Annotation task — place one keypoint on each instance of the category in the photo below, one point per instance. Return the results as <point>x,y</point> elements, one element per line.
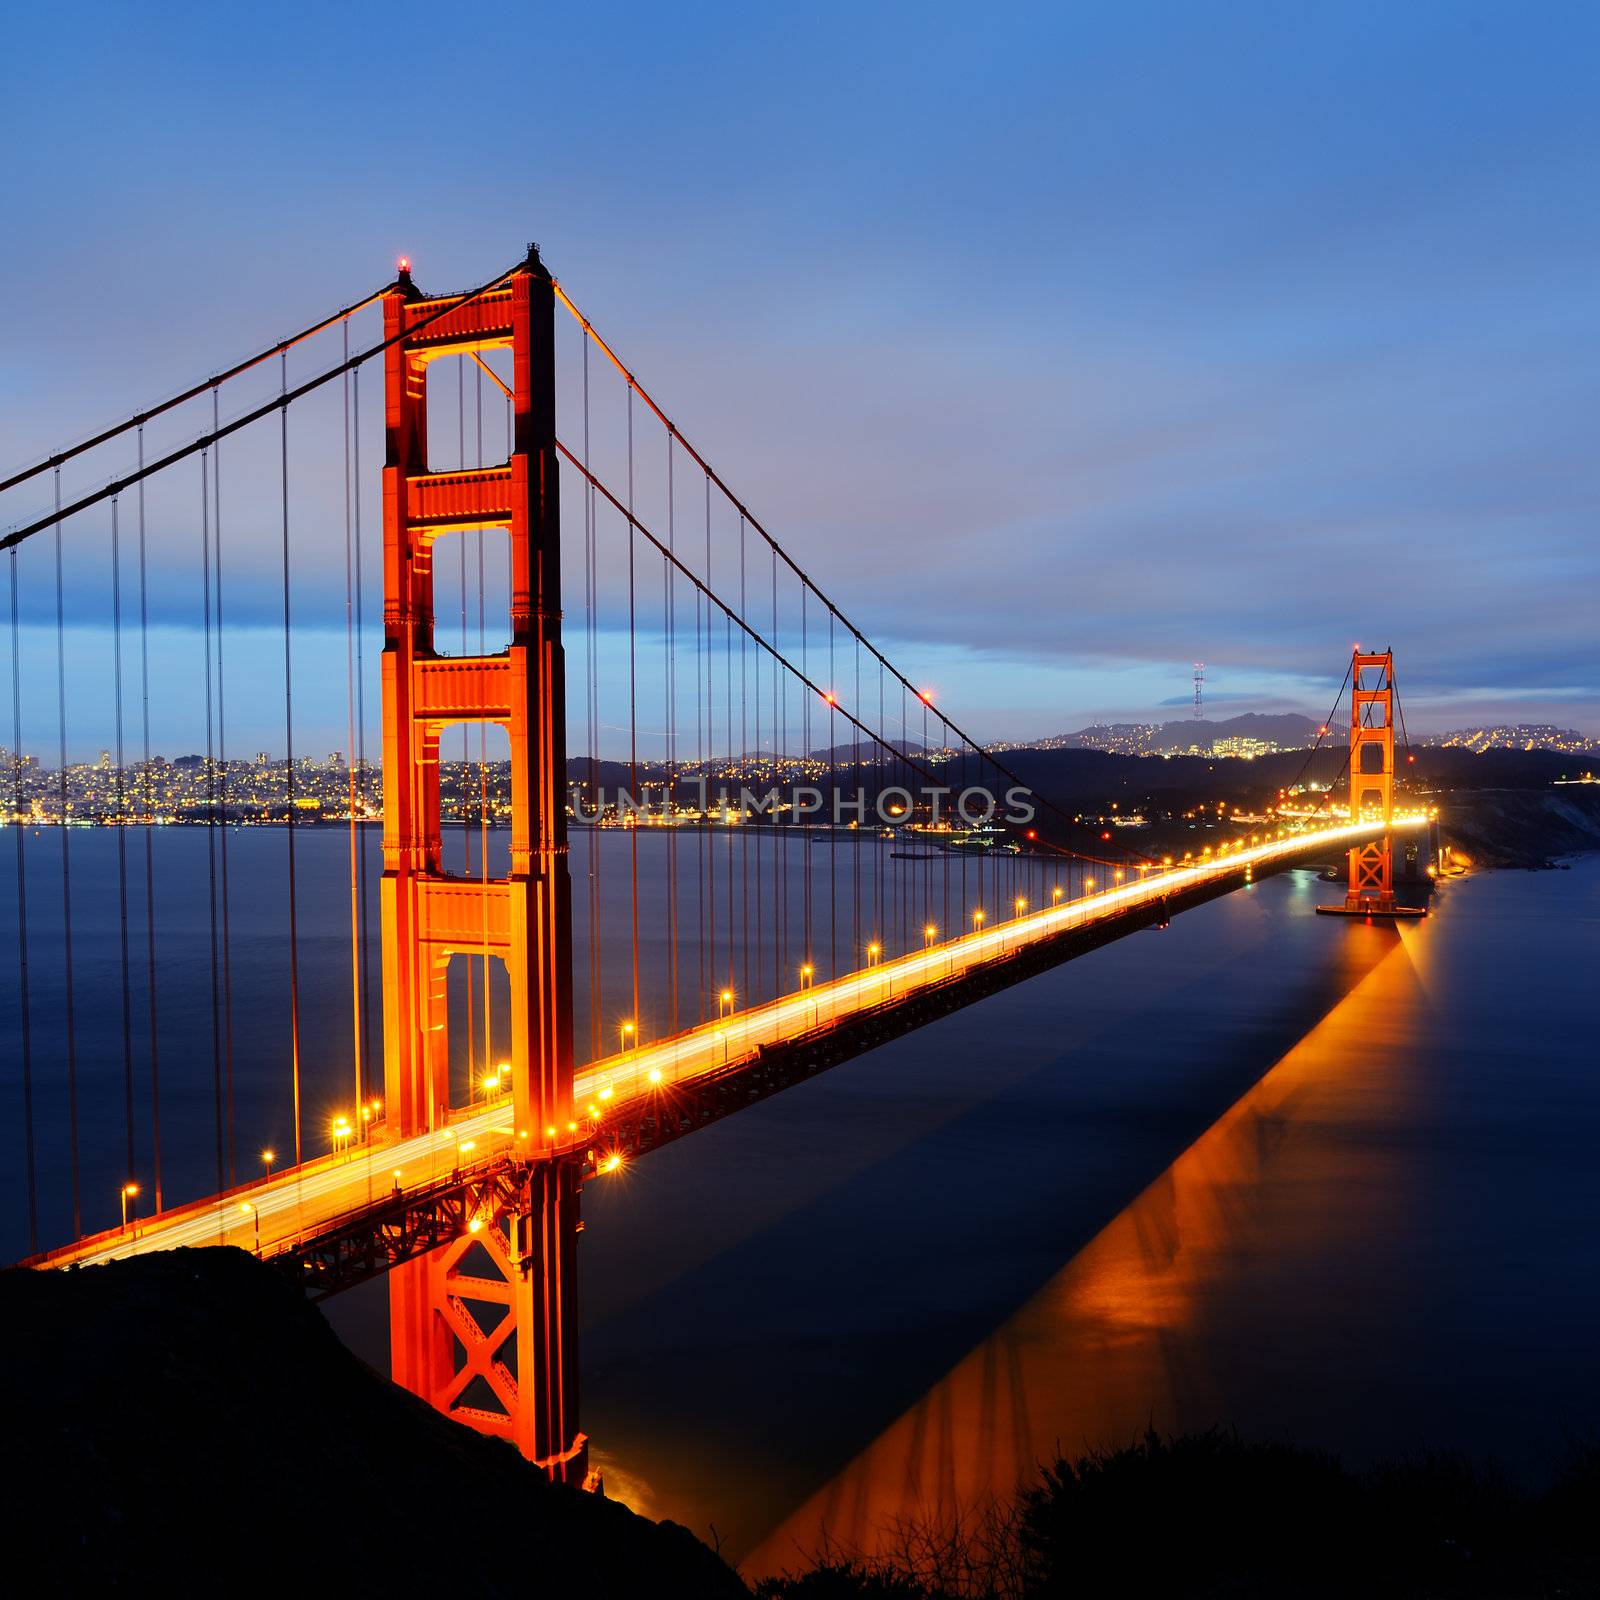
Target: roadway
<point>275,1213</point>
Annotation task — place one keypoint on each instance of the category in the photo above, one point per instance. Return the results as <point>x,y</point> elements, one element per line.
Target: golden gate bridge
<point>511,1040</point>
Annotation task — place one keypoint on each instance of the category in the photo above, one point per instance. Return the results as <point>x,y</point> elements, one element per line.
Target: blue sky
<point>1066,344</point>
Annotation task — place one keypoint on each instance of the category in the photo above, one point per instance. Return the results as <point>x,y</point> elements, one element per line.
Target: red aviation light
<point>827,695</point>
<point>405,263</point>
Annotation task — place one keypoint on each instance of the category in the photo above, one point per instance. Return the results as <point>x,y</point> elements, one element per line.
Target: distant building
<point>1246,749</point>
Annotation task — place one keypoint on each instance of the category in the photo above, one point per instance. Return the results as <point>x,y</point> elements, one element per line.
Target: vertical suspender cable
<point>744,767</point>
<point>368,987</point>
<point>66,875</point>
<point>461,777</point>
<point>927,855</point>
<point>708,839</point>
<point>633,732</point>
<point>211,822</point>
<point>122,838</point>
<point>483,779</point>
<point>350,750</point>
<point>222,795</point>
<point>288,734</point>
<point>780,856</point>
<point>670,689</point>
<point>728,874</point>
<point>760,872</point>
<point>592,705</point>
<point>708,744</point>
<point>806,949</point>
<point>832,800</point>
<point>24,1015</point>
<point>149,846</point>
<point>701,712</point>
<point>861,784</point>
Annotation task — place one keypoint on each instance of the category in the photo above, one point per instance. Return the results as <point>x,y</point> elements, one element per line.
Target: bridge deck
<point>299,1205</point>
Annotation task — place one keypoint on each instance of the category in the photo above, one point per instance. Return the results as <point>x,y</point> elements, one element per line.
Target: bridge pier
<point>484,1328</point>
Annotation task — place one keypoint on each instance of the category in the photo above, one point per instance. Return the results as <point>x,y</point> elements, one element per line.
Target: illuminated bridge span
<point>827,861</point>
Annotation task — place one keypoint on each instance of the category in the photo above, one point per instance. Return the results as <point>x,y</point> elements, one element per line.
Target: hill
<point>186,1420</point>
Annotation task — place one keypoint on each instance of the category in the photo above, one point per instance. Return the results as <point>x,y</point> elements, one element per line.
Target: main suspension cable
<point>139,418</point>
<point>635,387</point>
<point>282,402</point>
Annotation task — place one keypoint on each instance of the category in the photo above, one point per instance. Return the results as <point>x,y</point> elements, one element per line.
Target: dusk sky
<point>1066,344</point>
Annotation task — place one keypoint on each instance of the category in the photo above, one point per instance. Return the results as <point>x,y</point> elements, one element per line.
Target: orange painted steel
<point>1371,887</point>
<point>483,1328</point>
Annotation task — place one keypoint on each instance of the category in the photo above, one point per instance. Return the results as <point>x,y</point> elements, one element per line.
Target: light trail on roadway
<point>301,1203</point>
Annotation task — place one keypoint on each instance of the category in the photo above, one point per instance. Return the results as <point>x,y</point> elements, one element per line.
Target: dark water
<point>1329,1182</point>
<point>733,910</point>
<point>1326,1181</point>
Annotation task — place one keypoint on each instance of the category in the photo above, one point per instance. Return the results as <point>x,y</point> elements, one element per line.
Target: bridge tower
<point>484,1328</point>
<point>1371,886</point>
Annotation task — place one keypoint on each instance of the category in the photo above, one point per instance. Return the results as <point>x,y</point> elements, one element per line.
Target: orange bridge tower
<point>1372,781</point>
<point>484,1327</point>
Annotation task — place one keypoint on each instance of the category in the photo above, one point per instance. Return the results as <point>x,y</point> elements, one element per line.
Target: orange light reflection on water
<point>1118,1337</point>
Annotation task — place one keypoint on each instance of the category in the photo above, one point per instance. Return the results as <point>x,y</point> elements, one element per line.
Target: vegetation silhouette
<point>1212,1515</point>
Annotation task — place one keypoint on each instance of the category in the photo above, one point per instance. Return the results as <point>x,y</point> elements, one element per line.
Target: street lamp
<point>807,973</point>
<point>1022,904</point>
<point>874,950</point>
<point>724,1003</point>
<point>928,936</point>
<point>625,1031</point>
<point>1055,893</point>
<point>250,1210</point>
<point>267,1158</point>
<point>129,1191</point>
<point>977,919</point>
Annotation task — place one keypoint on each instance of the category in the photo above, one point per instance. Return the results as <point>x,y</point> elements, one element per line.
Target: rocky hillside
<point>186,1422</point>
<point>1522,827</point>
